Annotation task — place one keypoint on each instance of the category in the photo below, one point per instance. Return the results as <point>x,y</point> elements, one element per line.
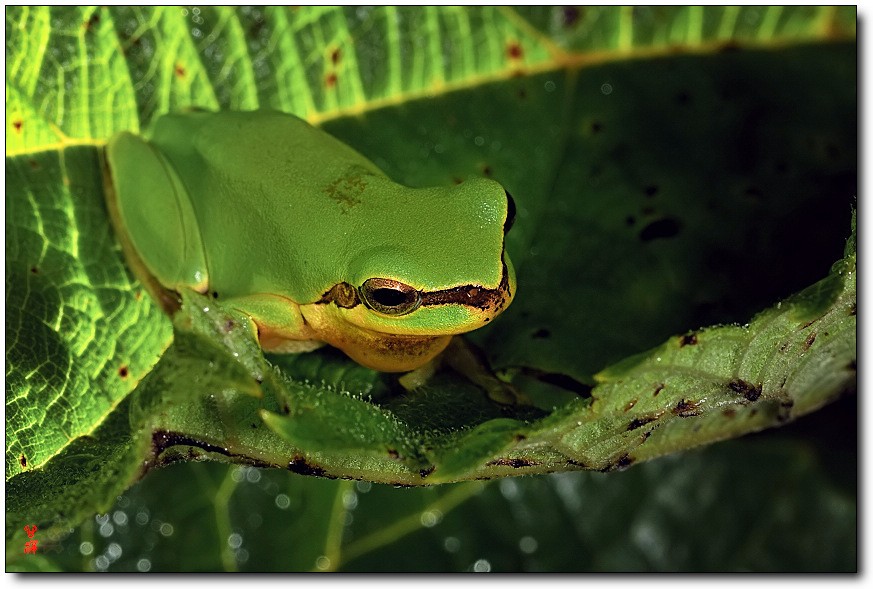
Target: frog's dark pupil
<point>389,297</point>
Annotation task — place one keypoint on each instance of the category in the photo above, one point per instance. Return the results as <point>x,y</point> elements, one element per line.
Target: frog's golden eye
<point>389,297</point>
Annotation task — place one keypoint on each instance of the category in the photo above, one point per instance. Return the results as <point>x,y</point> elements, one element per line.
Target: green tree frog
<point>284,223</point>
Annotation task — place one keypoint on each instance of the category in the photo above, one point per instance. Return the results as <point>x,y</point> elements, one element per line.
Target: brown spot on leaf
<point>92,22</point>
<point>513,462</point>
<point>630,405</point>
<point>34,164</point>
<point>640,422</point>
<point>541,333</point>
<point>123,372</point>
<point>34,270</point>
<point>750,392</point>
<point>596,127</point>
<point>330,80</point>
<point>658,389</point>
<point>619,464</point>
<point>17,125</point>
<point>651,190</point>
<point>569,16</point>
<point>686,408</point>
<point>336,55</point>
<point>300,466</point>
<point>688,340</point>
<point>23,461</point>
<point>486,170</point>
<point>730,413</point>
<point>808,343</point>
<point>179,70</point>
<point>514,50</point>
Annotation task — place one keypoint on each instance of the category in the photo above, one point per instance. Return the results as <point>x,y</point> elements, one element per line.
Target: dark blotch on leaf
<point>92,22</point>
<point>300,466</point>
<point>639,422</point>
<point>596,126</point>
<point>741,387</point>
<point>688,340</point>
<point>513,462</point>
<point>34,270</point>
<point>17,126</point>
<point>660,229</point>
<point>630,221</point>
<point>541,333</point>
<point>123,372</point>
<point>214,295</point>
<point>23,461</point>
<point>683,98</point>
<point>522,93</point>
<point>658,389</point>
<point>569,15</point>
<point>486,170</point>
<point>651,190</point>
<point>34,164</point>
<point>425,472</point>
<point>335,56</point>
<point>180,71</point>
<point>619,464</point>
<point>514,51</point>
<point>330,80</point>
<point>686,409</point>
<point>808,343</point>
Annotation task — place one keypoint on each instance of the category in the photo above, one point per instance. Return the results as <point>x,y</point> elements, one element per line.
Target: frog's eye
<point>389,297</point>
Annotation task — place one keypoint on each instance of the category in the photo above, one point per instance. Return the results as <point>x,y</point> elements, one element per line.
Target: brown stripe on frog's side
<point>471,296</point>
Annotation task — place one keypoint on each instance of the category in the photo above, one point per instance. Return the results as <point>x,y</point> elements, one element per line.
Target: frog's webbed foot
<point>465,358</point>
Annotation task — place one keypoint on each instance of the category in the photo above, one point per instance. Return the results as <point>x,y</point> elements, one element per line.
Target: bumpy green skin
<point>269,214</point>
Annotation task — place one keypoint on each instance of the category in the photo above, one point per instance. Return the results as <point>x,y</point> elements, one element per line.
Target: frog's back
<point>256,174</point>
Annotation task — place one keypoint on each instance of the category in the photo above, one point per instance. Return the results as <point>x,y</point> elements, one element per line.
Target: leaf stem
<point>413,522</point>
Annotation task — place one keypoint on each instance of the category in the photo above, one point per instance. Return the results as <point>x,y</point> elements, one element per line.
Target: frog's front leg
<point>281,328</point>
<point>468,360</point>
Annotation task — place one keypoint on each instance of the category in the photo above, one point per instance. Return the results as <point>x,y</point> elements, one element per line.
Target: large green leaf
<point>667,178</point>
